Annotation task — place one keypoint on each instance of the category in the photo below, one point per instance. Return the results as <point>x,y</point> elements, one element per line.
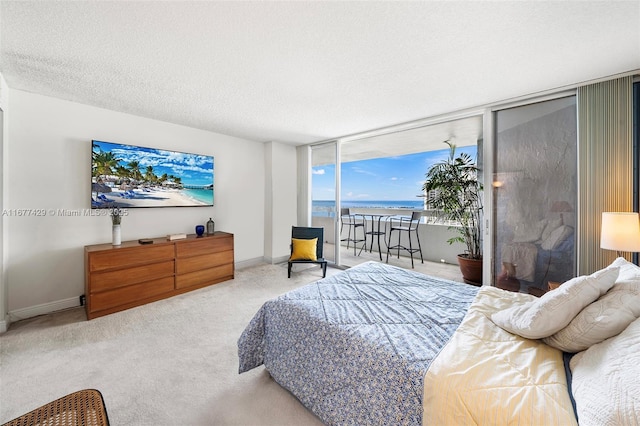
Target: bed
<point>381,345</point>
<point>534,259</point>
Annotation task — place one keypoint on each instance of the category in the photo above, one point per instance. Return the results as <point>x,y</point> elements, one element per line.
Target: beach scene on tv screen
<point>134,176</point>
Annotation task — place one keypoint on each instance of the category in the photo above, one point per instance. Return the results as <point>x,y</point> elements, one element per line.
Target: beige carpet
<point>173,362</point>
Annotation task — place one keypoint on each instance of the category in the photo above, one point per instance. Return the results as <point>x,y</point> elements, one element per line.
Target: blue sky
<point>193,169</point>
<point>390,178</point>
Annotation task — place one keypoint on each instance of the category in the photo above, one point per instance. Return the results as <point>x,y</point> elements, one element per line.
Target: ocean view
<point>325,207</point>
<point>202,195</point>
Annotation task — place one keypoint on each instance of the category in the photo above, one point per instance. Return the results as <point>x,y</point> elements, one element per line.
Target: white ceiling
<point>304,71</point>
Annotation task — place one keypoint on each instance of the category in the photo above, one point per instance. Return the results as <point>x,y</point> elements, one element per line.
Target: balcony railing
<point>433,233</point>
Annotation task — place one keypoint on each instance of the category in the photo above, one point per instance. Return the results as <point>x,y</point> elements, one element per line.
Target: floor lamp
<point>620,231</point>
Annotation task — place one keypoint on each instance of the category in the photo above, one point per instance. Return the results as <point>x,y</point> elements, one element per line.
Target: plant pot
<point>471,270</point>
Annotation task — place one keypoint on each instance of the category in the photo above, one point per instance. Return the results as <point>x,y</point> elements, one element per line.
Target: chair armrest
<point>404,219</point>
<point>396,220</point>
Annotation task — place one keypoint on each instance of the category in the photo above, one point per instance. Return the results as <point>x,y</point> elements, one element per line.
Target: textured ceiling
<point>299,72</point>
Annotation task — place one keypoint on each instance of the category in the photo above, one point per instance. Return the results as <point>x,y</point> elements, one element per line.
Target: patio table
<point>376,230</point>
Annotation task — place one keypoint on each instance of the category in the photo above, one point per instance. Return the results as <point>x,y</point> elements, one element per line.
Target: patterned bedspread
<point>354,347</point>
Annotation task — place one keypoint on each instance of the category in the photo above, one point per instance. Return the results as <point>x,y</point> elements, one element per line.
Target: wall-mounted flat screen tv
<point>134,176</point>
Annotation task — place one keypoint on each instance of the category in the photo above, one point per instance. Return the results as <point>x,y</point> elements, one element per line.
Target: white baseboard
<point>249,262</point>
<point>45,308</point>
<point>276,260</point>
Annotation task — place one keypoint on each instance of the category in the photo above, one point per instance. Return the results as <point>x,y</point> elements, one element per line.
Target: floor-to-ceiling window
<point>324,194</point>
<point>534,194</point>
<point>533,185</point>
<point>382,175</point>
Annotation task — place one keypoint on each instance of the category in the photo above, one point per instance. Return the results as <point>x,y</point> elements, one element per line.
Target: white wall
<point>281,200</point>
<point>4,100</point>
<point>49,146</point>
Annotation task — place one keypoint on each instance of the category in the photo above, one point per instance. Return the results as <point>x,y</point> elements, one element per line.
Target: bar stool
<point>408,225</point>
<point>353,222</point>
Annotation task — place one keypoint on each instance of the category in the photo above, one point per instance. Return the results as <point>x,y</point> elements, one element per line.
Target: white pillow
<point>552,224</point>
<point>605,382</point>
<point>607,316</point>
<point>629,273</point>
<point>604,318</point>
<point>554,310</point>
<point>557,236</point>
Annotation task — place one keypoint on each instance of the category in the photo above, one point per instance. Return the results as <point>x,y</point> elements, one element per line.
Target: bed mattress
<point>354,347</point>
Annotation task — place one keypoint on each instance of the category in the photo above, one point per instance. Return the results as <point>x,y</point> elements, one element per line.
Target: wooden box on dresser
<point>132,274</point>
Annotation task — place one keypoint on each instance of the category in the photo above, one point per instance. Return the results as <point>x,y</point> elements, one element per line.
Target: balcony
<point>440,258</point>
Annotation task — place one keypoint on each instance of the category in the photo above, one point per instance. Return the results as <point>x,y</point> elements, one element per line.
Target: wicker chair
<point>81,408</point>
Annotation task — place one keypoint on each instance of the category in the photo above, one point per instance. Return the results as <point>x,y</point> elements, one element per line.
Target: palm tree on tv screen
<point>177,180</point>
<point>122,172</point>
<point>150,176</point>
<point>134,170</point>
<point>104,163</point>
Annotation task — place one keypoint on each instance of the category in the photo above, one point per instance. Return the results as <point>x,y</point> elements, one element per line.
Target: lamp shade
<point>561,207</point>
<point>620,231</point>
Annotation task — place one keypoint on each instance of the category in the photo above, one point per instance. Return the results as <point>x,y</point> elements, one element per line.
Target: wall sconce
<point>620,231</point>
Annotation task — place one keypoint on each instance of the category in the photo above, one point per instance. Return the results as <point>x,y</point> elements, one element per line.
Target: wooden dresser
<point>132,274</point>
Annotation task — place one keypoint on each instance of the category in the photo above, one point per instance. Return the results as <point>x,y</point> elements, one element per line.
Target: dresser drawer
<point>132,274</point>
<point>205,245</point>
<point>206,276</point>
<point>206,261</point>
<point>125,257</point>
<point>108,280</point>
<point>112,298</point>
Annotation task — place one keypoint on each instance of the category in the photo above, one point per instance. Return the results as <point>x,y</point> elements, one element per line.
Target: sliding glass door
<point>324,196</point>
<point>534,195</point>
<point>380,176</point>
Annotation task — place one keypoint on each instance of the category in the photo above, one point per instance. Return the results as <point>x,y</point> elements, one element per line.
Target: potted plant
<point>454,191</point>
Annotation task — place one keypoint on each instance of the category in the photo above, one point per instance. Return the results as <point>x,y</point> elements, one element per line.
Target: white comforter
<point>487,376</point>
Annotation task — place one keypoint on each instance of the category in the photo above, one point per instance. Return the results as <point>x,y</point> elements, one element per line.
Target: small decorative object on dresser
<point>199,230</point>
<point>172,237</point>
<point>116,218</point>
<point>211,227</point>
